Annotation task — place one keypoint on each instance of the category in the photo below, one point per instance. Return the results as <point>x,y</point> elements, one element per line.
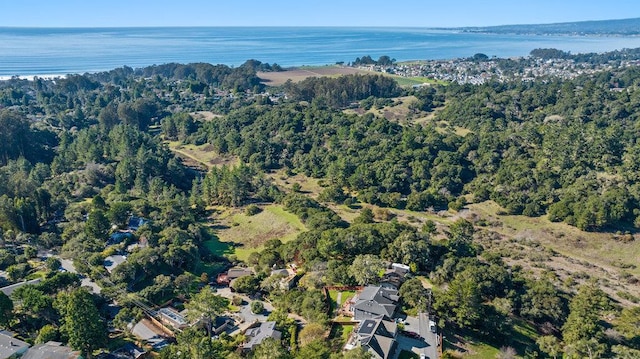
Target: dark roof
<point>51,350</point>
<point>376,301</point>
<point>378,335</point>
<point>234,273</point>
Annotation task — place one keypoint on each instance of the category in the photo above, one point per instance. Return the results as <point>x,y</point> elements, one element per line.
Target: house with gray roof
<point>377,336</point>
<point>256,335</point>
<point>111,262</point>
<point>8,290</point>
<point>10,346</point>
<point>51,350</point>
<point>375,301</point>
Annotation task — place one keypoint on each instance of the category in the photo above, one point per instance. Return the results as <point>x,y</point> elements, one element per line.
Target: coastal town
<point>481,69</point>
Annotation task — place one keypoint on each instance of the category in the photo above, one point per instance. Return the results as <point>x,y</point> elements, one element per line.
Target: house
<point>289,277</point>
<point>10,346</point>
<point>111,262</point>
<point>256,335</point>
<point>51,350</point>
<point>150,334</point>
<point>170,317</point>
<point>233,273</point>
<point>8,290</point>
<point>136,222</point>
<point>394,276</point>
<point>128,351</point>
<point>119,237</point>
<point>375,301</point>
<point>377,336</point>
<point>220,324</point>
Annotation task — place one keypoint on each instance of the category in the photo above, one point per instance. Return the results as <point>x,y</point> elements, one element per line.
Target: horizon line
<point>311,26</point>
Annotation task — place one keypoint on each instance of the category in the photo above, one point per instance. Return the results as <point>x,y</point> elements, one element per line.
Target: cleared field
<point>301,73</point>
<point>204,115</point>
<point>203,156</point>
<point>400,111</point>
<point>309,186</point>
<point>574,255</point>
<point>242,235</point>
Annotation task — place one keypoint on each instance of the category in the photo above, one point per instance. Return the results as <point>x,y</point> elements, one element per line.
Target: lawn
<point>522,336</point>
<point>242,235</point>
<point>341,332</point>
<point>345,296</point>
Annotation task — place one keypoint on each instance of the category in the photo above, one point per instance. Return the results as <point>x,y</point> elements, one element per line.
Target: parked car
<point>412,334</point>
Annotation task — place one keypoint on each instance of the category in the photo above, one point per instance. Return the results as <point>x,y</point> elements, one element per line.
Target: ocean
<point>44,51</point>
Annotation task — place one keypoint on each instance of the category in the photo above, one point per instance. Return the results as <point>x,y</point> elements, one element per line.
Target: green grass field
<point>346,295</point>
<point>244,234</point>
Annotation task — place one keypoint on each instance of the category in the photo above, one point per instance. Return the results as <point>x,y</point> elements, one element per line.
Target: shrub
<point>252,210</point>
<point>257,307</point>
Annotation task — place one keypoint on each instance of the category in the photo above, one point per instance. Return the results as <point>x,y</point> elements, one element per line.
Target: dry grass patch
<point>301,73</point>
<point>574,255</point>
<point>203,156</point>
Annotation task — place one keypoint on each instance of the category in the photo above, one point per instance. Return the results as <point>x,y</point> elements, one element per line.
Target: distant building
<point>171,317</point>
<point>8,290</point>
<point>394,276</point>
<point>51,350</point>
<point>375,301</point>
<point>10,346</point>
<point>377,336</point>
<point>128,351</point>
<point>256,335</point>
<point>233,273</point>
<point>111,262</point>
<point>289,277</point>
<point>136,222</point>
<point>118,237</point>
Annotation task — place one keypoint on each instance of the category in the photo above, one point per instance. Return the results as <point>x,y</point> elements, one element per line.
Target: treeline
<point>591,57</point>
<point>342,91</point>
<point>383,60</point>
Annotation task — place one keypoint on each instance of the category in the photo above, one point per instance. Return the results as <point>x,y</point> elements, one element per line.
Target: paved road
<point>431,338</point>
<point>86,282</point>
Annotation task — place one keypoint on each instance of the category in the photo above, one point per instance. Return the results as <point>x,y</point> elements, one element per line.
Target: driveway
<point>431,338</point>
<point>426,344</point>
<point>85,282</point>
<point>244,317</point>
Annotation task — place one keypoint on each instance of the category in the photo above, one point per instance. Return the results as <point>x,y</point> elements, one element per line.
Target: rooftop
<point>10,346</point>
<point>51,350</point>
<point>258,334</point>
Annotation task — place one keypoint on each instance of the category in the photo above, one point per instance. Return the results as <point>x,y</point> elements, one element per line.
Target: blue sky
<point>421,13</point>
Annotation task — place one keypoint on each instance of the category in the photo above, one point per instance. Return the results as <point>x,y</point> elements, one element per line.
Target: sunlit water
<point>29,51</point>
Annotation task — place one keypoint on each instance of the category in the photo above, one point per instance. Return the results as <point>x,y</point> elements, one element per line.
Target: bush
<point>257,307</point>
<point>252,210</point>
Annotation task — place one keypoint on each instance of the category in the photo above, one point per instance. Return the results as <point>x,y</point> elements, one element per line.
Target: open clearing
<point>573,255</point>
<point>300,73</point>
<point>242,235</point>
<point>203,156</point>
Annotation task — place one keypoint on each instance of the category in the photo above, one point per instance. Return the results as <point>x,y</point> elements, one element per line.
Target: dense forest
<point>81,156</point>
